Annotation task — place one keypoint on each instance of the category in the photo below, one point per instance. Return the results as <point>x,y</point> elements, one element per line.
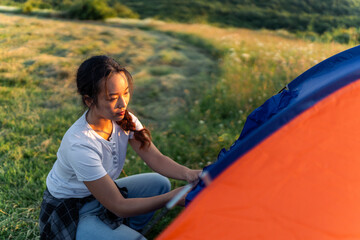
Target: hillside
<point>293,15</point>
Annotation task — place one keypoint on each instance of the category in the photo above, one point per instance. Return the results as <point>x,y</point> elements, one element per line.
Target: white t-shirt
<point>84,155</point>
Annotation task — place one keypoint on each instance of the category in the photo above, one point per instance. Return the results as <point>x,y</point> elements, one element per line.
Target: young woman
<point>84,198</point>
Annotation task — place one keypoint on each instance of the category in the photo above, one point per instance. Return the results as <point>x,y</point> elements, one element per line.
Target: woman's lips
<point>122,113</point>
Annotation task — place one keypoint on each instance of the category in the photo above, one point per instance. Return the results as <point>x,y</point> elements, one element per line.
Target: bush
<point>27,7</point>
<point>343,38</point>
<point>312,36</point>
<point>91,10</point>
<point>124,12</point>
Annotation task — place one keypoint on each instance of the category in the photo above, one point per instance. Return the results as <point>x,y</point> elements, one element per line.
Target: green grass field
<point>194,86</point>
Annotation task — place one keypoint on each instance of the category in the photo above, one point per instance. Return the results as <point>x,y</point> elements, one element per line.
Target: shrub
<point>343,37</point>
<point>309,35</point>
<point>124,12</point>
<point>27,7</point>
<point>91,10</point>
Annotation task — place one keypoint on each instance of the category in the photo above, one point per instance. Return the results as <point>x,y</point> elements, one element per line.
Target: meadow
<point>195,84</point>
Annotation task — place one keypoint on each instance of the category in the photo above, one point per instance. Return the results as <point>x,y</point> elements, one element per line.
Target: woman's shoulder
<point>79,126</point>
<point>137,122</point>
<point>132,116</point>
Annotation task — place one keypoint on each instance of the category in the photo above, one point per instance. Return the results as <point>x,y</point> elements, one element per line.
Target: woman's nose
<point>122,102</point>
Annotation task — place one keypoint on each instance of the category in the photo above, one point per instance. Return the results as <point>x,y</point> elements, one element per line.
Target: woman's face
<point>113,101</point>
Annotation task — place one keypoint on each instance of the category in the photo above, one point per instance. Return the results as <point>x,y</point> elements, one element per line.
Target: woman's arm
<point>107,193</point>
<point>163,164</point>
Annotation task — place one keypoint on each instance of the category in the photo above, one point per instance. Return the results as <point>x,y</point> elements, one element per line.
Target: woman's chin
<point>118,118</point>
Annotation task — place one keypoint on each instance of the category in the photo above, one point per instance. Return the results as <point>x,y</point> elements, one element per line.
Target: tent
<point>294,172</point>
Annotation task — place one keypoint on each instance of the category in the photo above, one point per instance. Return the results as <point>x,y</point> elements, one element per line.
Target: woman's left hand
<point>192,176</point>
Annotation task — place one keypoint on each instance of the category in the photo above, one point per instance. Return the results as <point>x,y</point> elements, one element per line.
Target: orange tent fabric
<point>302,182</point>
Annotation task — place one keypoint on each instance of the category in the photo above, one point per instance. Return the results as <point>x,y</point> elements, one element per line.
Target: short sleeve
<point>86,162</point>
<point>138,125</point>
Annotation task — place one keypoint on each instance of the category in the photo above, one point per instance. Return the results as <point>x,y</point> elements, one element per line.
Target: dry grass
<point>251,54</point>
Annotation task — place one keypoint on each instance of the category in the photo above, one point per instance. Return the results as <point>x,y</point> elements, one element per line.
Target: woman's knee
<point>145,185</point>
<point>160,183</point>
<point>163,183</point>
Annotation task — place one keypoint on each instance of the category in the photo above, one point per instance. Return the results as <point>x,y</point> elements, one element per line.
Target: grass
<point>39,102</point>
<point>194,86</point>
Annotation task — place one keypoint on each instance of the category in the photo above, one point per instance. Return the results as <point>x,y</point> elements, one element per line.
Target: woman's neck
<point>101,126</point>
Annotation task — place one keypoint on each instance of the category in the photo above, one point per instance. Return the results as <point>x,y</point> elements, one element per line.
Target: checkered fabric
<point>59,217</point>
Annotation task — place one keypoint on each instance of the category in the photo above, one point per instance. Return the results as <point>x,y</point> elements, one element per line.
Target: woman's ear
<point>88,100</point>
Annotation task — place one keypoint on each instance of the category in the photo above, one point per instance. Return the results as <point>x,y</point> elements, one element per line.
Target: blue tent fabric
<point>302,93</point>
<point>271,107</point>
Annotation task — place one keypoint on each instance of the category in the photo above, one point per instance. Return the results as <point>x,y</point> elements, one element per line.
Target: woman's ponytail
<point>143,135</point>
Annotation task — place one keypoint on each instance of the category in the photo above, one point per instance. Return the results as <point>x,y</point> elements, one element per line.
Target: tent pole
<point>171,204</point>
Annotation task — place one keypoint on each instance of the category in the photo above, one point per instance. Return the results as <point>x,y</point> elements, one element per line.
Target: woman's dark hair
<point>88,79</point>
